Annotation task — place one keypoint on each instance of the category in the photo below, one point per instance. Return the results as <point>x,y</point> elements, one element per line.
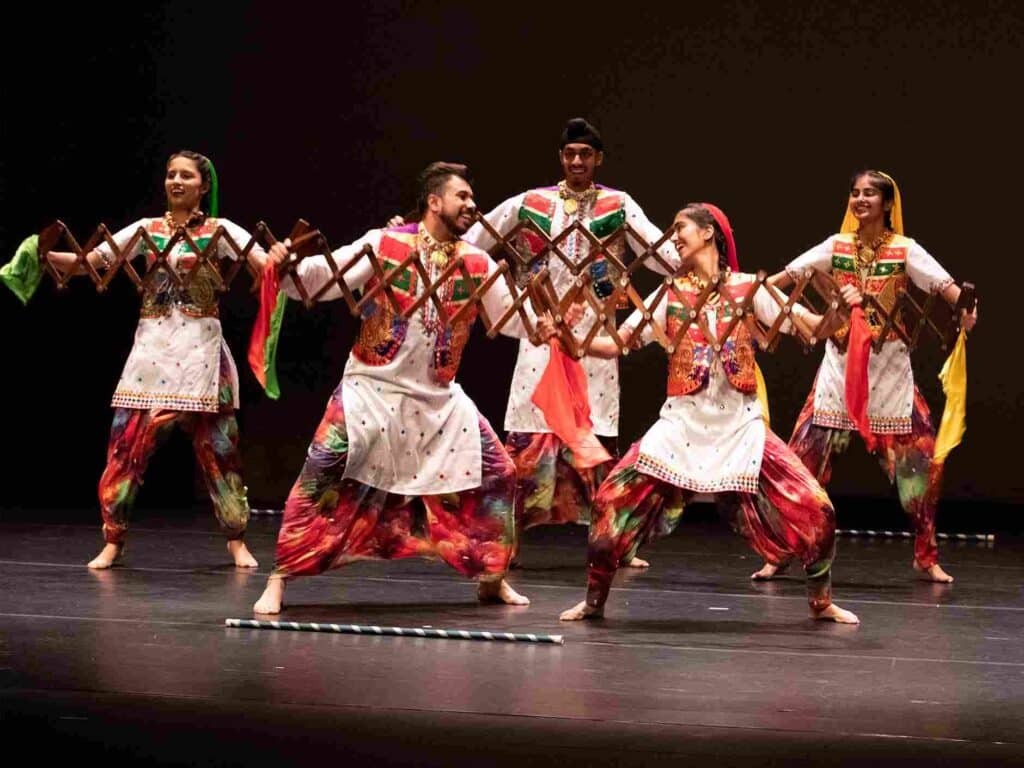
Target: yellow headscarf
<point>850,223</point>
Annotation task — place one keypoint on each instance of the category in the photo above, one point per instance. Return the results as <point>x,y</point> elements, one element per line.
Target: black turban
<point>579,131</point>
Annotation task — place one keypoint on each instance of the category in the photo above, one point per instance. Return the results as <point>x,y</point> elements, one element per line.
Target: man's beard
<point>452,222</point>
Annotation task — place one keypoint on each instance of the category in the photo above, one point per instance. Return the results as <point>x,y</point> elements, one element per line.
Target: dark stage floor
<point>693,663</point>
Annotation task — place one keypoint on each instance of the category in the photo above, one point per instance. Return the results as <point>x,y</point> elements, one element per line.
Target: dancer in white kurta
<point>552,489</point>
<point>179,372</point>
<point>710,436</point>
<point>403,464</point>
<point>872,254</point>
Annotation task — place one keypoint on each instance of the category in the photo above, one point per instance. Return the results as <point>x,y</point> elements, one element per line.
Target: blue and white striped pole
<point>356,629</point>
<point>910,535</point>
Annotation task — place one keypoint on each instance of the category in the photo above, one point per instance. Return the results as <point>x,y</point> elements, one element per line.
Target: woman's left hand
<point>968,321</point>
<point>851,295</point>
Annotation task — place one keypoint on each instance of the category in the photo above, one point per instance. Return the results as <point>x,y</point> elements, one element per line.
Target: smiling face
<point>867,202</point>
<point>184,184</point>
<point>688,236</point>
<point>579,162</point>
<point>454,205</point>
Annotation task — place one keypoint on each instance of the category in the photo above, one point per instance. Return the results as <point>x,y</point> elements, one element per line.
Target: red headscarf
<point>730,244</point>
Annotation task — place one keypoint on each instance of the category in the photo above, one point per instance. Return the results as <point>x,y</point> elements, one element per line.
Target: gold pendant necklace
<point>866,254</point>
<point>571,201</point>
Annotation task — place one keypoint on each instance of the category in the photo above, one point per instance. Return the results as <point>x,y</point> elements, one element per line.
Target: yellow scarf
<point>954,416</point>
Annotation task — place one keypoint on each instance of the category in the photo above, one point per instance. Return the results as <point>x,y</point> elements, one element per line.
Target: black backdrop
<point>329,112</point>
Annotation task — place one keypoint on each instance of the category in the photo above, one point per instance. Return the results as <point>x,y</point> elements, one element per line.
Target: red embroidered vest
<point>608,214</point>
<point>690,363</point>
<point>383,331</point>
<point>886,278</point>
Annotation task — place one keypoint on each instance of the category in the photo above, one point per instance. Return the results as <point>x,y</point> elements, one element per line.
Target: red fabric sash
<point>265,331</point>
<point>858,352</point>
<point>561,395</point>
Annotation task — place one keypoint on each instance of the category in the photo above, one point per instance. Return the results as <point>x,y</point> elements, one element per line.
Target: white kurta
<point>407,432</point>
<point>521,414</point>
<point>890,377</point>
<point>711,440</point>
<point>175,359</point>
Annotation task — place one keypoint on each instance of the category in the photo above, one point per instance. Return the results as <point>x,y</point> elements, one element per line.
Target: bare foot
<point>767,572</point>
<point>109,555</point>
<point>934,573</point>
<point>638,562</point>
<point>270,600</point>
<point>500,592</point>
<point>834,613</point>
<point>581,611</point>
<point>243,557</point>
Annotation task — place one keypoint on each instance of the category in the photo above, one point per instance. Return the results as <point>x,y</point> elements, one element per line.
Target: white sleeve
<point>767,310</point>
<point>121,237</point>
<point>819,257</point>
<point>925,271</point>
<point>502,219</point>
<point>315,272</point>
<point>638,220</point>
<point>498,299</point>
<point>239,235</point>
<point>659,314</point>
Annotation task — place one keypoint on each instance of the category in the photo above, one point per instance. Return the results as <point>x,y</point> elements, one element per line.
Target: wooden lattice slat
<point>911,317</point>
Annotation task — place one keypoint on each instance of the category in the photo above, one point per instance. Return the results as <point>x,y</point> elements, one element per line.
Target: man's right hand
<point>574,314</point>
<point>278,253</point>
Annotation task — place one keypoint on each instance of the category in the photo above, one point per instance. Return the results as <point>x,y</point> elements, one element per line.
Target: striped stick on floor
<point>356,629</point>
<point>255,511</point>
<point>910,535</point>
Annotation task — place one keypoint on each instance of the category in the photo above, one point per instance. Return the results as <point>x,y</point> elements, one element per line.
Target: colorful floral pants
<point>330,521</point>
<point>137,433</point>
<point>906,459</point>
<point>789,516</point>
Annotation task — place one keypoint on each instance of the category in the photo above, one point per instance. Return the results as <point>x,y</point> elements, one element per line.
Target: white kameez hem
<point>649,465</point>
<point>897,425</point>
<point>147,401</point>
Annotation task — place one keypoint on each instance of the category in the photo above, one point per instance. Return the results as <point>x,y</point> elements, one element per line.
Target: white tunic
<point>602,375</point>
<point>711,440</point>
<point>890,377</point>
<point>407,432</point>
<point>175,360</point>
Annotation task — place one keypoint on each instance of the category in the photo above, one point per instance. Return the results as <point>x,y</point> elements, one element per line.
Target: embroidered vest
<point>886,278</point>
<point>383,331</point>
<point>608,215</point>
<point>690,363</point>
<point>199,297</point>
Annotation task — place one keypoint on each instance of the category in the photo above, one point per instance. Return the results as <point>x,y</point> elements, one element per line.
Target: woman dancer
<point>711,437</point>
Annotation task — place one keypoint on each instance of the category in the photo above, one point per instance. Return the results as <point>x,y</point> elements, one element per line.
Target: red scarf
<point>858,353</point>
<point>561,395</point>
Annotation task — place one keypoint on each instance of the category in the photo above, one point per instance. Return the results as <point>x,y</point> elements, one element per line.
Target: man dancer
<point>551,488</point>
<point>402,463</point>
